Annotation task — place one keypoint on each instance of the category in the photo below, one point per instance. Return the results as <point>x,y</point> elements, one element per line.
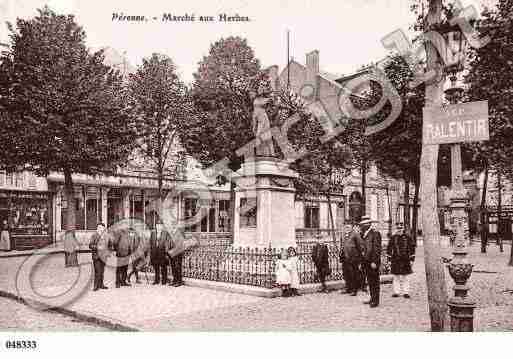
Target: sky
<point>347,33</point>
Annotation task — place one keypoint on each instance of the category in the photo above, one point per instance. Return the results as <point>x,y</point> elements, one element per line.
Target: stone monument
<point>264,195</point>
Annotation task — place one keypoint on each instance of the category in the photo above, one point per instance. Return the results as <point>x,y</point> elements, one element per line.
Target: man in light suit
<point>372,258</point>
<point>159,246</point>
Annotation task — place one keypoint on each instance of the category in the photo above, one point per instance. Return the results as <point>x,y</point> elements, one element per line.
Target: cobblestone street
<point>150,307</point>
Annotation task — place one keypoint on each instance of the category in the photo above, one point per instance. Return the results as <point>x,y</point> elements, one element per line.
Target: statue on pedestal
<point>262,125</point>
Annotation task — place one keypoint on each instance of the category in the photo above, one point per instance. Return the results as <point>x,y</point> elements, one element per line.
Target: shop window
<point>150,213</point>
<point>19,179</point>
<point>136,206</point>
<point>312,215</point>
<point>224,216</point>
<point>29,214</point>
<point>2,178</point>
<point>9,180</point>
<point>248,212</point>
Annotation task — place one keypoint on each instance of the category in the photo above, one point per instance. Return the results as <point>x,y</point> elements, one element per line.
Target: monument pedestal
<point>264,204</point>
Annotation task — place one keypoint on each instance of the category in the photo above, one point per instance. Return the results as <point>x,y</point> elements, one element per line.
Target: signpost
<point>465,122</point>
<point>453,124</point>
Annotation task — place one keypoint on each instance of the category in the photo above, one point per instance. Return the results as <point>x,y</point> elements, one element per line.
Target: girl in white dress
<point>5,238</point>
<point>283,274</point>
<point>292,266</point>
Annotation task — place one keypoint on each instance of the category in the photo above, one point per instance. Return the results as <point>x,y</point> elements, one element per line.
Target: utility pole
<point>435,275</point>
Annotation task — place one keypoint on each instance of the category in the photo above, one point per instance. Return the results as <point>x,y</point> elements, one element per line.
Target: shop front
<point>28,218</point>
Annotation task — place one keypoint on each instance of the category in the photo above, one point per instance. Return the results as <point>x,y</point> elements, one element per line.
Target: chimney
<point>312,70</point>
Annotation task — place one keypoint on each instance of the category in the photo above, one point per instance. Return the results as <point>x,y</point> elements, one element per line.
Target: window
<point>374,206</point>
<point>386,208</point>
<point>9,181</point>
<point>2,178</point>
<point>32,182</point>
<point>93,207</point>
<point>19,179</point>
<point>189,210</point>
<point>248,212</point>
<point>312,215</point>
<point>77,205</point>
<point>224,216</point>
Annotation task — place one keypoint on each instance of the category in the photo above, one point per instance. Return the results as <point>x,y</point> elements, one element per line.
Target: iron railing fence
<point>256,266</point>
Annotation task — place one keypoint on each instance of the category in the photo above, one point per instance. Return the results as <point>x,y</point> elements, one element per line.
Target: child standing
<point>292,266</point>
<point>283,274</point>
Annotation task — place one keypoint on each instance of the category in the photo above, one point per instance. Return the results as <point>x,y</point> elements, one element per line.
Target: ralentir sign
<point>466,122</point>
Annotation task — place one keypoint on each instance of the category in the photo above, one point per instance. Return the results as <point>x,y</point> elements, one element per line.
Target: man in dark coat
<point>401,253</point>
<point>159,246</point>
<point>138,252</point>
<point>123,249</point>
<point>372,258</point>
<point>353,248</point>
<point>320,258</point>
<point>99,252</point>
<point>176,260</point>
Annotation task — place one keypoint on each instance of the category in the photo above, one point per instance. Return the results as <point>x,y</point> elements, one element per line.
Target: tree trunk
<point>511,254</point>
<point>160,199</point>
<point>406,200</point>
<point>415,219</point>
<point>499,212</point>
<point>232,207</point>
<point>389,211</point>
<point>435,274</point>
<point>70,242</point>
<point>70,200</point>
<point>482,212</point>
<point>332,223</point>
<point>364,187</point>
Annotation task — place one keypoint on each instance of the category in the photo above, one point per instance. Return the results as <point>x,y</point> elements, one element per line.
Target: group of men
<point>361,260</point>
<point>131,250</point>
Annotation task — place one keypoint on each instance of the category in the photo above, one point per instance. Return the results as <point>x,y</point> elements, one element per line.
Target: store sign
<point>466,122</point>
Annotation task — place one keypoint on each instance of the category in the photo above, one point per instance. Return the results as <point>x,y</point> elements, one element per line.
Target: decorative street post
<point>461,307</point>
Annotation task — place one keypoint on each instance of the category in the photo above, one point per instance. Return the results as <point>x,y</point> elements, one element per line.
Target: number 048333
<point>21,344</point>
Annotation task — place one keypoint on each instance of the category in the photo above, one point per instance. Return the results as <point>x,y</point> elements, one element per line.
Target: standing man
<point>176,262</point>
<point>320,258</point>
<point>372,258</point>
<point>353,248</point>
<point>123,251</point>
<point>160,241</point>
<point>401,253</point>
<point>99,252</point>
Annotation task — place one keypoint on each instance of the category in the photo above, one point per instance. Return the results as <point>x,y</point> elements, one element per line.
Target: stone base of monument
<point>264,202</point>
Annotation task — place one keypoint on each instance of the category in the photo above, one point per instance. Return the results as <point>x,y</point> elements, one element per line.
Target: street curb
<point>39,253</point>
<point>83,315</point>
<point>267,292</point>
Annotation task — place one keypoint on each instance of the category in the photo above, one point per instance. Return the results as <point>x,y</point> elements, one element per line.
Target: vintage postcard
<point>177,166</point>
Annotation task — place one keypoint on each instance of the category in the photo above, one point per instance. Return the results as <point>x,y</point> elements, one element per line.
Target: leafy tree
<point>161,105</point>
<point>66,110</point>
<point>491,78</point>
<point>221,94</point>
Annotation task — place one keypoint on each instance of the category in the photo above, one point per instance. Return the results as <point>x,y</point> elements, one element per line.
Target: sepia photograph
<point>241,166</point>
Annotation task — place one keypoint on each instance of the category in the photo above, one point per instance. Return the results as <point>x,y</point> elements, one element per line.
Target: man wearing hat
<point>352,254</point>
<point>372,258</point>
<point>401,253</point>
<point>159,246</point>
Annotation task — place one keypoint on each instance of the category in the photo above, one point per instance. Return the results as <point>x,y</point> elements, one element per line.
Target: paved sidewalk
<point>154,307</point>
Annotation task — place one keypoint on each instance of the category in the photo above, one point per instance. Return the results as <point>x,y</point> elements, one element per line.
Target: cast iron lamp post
<point>461,306</point>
